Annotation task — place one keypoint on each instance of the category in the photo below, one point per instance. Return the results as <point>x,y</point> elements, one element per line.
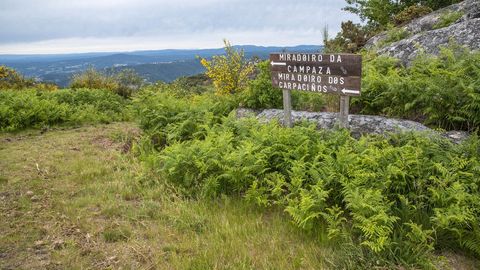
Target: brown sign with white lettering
<point>322,73</point>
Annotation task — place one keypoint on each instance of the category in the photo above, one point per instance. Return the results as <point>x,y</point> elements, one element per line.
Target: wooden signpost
<point>338,74</point>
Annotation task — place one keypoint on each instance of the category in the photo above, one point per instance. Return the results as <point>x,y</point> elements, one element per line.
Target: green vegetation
<point>198,188</point>
<point>168,118</point>
<point>11,79</point>
<point>69,199</point>
<point>390,200</point>
<point>124,83</point>
<point>260,94</point>
<point>446,19</point>
<point>196,84</point>
<point>229,72</point>
<point>36,108</point>
<point>384,199</point>
<point>381,13</point>
<point>62,205</point>
<point>350,39</point>
<point>439,91</point>
<point>393,35</point>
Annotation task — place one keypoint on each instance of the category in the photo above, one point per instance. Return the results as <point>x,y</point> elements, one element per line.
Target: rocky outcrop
<point>358,124</point>
<point>423,35</point>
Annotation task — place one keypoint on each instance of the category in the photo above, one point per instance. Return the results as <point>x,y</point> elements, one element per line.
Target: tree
<point>380,13</point>
<point>229,72</point>
<point>377,13</point>
<point>350,39</point>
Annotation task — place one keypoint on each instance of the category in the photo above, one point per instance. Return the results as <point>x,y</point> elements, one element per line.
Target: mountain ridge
<point>165,65</point>
<point>9,58</point>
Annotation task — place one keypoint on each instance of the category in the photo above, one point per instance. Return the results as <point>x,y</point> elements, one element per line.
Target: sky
<point>72,26</point>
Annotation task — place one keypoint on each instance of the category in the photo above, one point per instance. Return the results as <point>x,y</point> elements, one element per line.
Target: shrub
<point>440,91</point>
<point>93,79</point>
<point>11,79</point>
<point>196,84</point>
<point>123,83</point>
<point>260,94</point>
<point>128,82</point>
<point>350,39</point>
<point>411,13</point>
<point>229,72</point>
<point>446,19</point>
<point>36,108</point>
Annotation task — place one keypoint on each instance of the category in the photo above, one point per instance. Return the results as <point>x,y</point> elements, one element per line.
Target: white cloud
<point>32,26</point>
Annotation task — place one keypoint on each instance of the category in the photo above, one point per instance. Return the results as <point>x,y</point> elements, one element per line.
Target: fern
<point>393,197</point>
<point>471,240</point>
<point>336,222</point>
<point>442,91</point>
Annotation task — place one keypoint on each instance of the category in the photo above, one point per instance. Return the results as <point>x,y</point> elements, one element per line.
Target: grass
<point>447,19</point>
<point>393,35</point>
<point>77,199</point>
<point>71,199</point>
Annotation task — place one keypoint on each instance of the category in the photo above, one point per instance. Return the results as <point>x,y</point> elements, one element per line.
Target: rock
<point>358,124</point>
<point>242,112</point>
<point>465,34</point>
<point>456,136</point>
<point>465,31</point>
<point>29,193</point>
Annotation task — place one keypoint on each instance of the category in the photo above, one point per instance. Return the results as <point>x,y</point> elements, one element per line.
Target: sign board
<point>321,73</point>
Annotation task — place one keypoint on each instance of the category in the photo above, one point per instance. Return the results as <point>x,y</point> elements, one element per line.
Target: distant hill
<point>167,72</point>
<point>165,65</point>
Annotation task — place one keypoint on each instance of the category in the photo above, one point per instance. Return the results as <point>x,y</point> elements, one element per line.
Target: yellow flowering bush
<point>229,72</point>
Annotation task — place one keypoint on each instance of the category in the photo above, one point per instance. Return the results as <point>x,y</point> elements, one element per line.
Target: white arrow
<point>278,63</point>
<point>348,91</point>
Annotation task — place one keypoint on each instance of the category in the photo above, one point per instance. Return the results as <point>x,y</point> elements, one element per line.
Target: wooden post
<point>343,115</point>
<point>343,76</point>
<point>287,108</point>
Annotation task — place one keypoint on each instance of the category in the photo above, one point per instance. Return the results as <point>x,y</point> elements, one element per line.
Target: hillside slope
<point>459,23</point>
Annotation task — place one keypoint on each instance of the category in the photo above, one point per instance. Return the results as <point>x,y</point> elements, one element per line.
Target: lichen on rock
<point>358,124</point>
<point>424,35</point>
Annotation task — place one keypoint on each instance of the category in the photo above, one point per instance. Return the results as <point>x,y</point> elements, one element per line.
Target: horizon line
<point>149,50</point>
